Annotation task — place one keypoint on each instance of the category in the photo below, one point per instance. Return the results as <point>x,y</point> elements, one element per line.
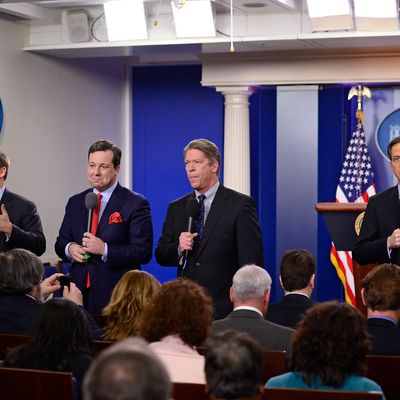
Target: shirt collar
<point>250,308</point>
<point>108,192</point>
<point>297,292</point>
<point>2,190</point>
<point>382,317</point>
<point>211,192</point>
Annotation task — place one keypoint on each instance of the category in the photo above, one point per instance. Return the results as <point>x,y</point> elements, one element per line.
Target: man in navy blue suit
<point>124,235</point>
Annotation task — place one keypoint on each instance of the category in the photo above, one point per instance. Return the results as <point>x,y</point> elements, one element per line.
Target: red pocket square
<point>115,218</point>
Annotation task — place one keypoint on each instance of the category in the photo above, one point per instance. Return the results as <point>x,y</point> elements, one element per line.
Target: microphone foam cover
<point>192,208</point>
<point>91,201</point>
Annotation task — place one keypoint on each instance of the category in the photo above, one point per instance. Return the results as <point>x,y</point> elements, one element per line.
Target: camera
<point>64,281</point>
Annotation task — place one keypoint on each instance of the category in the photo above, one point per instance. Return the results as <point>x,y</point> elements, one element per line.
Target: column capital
<point>235,90</point>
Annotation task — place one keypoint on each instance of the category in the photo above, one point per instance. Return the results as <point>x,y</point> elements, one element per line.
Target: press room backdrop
<point>299,135</point>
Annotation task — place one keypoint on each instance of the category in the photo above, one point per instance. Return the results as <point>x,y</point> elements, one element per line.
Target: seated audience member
<point>22,291</point>
<point>297,275</point>
<point>175,321</point>
<point>381,294</point>
<point>128,298</point>
<point>128,370</point>
<point>250,296</point>
<point>329,351</point>
<point>234,366</point>
<point>61,341</point>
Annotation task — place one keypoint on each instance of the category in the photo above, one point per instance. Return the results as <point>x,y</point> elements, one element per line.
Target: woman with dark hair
<point>61,341</point>
<point>329,351</point>
<point>175,321</point>
<point>128,299</point>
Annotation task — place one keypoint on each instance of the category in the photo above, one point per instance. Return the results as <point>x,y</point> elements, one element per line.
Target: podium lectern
<point>342,220</point>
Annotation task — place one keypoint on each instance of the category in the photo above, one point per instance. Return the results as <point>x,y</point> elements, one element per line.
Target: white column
<point>237,138</point>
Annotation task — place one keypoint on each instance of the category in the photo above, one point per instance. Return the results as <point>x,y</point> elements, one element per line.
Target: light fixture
<point>382,15</point>
<point>194,18</point>
<point>330,15</point>
<point>125,20</point>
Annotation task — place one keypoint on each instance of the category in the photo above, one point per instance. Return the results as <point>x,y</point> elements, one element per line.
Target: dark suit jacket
<point>129,242</point>
<point>27,230</point>
<point>385,336</point>
<point>231,239</point>
<point>19,313</point>
<point>269,335</point>
<point>381,218</point>
<point>289,311</point>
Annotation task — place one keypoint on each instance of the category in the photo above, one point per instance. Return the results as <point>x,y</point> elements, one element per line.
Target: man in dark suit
<point>250,293</point>
<point>121,241</point>
<point>297,277</point>
<point>227,235</point>
<point>20,224</point>
<point>379,239</point>
<point>381,294</point>
<point>22,291</point>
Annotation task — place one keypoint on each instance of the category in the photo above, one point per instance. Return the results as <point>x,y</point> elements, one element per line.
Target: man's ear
<point>362,297</point>
<point>280,281</point>
<point>312,281</point>
<point>231,295</point>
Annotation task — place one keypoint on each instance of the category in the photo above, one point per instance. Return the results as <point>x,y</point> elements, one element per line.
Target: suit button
<point>198,264</point>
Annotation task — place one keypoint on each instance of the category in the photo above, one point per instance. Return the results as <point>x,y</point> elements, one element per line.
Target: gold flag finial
<point>359,91</point>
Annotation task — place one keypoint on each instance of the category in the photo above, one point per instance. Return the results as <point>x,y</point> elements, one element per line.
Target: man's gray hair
<point>128,370</point>
<point>251,282</point>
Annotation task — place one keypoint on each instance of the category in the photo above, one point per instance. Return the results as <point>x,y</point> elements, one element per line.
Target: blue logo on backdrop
<point>1,117</point>
<point>387,130</point>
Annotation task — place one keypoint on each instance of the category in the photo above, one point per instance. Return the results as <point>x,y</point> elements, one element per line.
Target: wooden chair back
<point>310,394</point>
<point>385,371</point>
<point>189,391</point>
<point>99,345</point>
<point>274,363</point>
<point>35,384</point>
<point>8,341</point>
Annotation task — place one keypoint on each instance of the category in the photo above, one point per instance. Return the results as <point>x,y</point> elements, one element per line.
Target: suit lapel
<point>217,209</point>
<point>114,204</point>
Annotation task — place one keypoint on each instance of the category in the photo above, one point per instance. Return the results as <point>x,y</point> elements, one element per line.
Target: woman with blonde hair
<point>128,299</point>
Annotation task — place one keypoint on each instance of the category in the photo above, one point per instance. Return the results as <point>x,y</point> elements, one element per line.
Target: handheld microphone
<point>192,209</point>
<point>90,204</point>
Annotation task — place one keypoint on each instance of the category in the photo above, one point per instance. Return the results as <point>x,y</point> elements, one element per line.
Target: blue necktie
<point>200,217</point>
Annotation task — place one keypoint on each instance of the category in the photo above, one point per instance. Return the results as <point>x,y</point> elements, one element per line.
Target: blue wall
<point>170,108</point>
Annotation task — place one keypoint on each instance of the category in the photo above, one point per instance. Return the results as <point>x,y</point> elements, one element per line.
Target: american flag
<point>355,185</point>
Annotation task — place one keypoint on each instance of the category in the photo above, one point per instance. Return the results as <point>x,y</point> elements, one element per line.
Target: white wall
<point>54,109</point>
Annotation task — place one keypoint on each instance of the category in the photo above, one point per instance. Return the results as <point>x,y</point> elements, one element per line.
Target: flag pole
<point>359,91</point>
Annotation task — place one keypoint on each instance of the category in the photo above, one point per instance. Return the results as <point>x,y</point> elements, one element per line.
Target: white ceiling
<point>272,28</point>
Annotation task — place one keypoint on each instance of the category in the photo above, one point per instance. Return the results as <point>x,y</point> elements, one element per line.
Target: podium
<point>343,221</point>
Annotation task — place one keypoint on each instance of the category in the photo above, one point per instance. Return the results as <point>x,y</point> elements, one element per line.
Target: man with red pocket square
<point>121,234</point>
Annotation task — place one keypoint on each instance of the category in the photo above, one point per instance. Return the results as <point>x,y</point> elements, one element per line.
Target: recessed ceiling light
<point>254,5</point>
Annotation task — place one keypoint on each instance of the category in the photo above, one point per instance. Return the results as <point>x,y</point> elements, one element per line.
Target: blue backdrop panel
<point>170,108</point>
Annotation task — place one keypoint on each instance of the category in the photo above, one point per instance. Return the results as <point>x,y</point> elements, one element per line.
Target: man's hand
<point>393,240</point>
<point>186,240</point>
<point>76,252</point>
<point>5,224</point>
<point>73,294</point>
<point>50,285</point>
<point>92,244</point>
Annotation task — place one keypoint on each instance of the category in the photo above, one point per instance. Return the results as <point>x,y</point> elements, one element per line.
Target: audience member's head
<point>129,370</point>
<point>234,366</point>
<point>180,308</point>
<point>20,273</point>
<point>251,286</point>
<point>128,299</point>
<point>330,343</point>
<point>61,330</point>
<point>297,272</point>
<point>381,290</point>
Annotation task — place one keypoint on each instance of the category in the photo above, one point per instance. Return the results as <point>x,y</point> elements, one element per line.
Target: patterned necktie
<point>200,217</point>
<point>96,212</point>
<point>93,230</point>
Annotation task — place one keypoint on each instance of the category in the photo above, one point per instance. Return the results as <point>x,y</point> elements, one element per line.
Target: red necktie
<point>93,230</point>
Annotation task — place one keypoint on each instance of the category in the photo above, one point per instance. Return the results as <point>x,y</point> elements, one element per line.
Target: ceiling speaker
<point>78,26</point>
